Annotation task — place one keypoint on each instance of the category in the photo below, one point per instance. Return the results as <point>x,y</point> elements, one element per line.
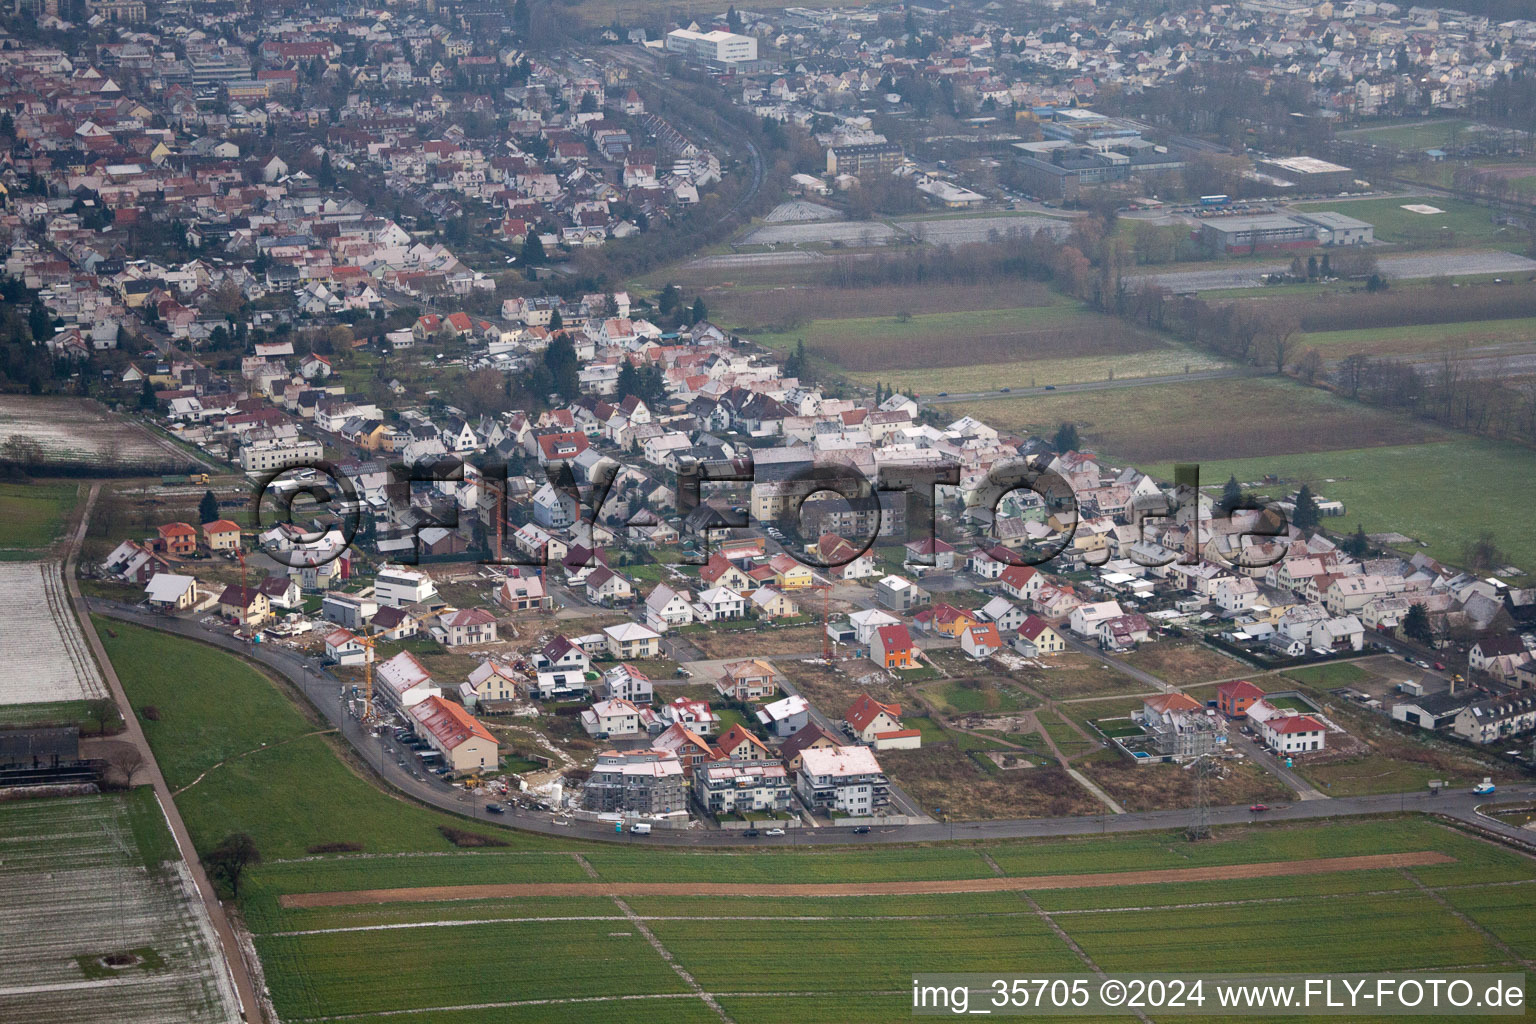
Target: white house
<point>630,641</point>
<point>395,586</point>
<point>866,622</point>
<point>404,682</point>
<point>845,779</point>
<point>785,717</point>
<point>1085,618</point>
<point>168,591</point>
<point>625,682</point>
<point>666,608</point>
<point>342,647</point>
<point>1038,638</point>
<point>1286,731</point>
<point>1002,613</point>
<point>612,719</point>
<point>718,604</point>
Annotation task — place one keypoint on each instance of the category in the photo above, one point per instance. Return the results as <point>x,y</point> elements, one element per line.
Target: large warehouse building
<point>715,47</point>
<point>1272,232</point>
<point>1309,174</point>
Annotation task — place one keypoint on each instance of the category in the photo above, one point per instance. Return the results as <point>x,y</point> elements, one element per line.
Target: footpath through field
<point>526,890</point>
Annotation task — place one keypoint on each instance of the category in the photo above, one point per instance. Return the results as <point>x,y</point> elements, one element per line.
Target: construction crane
<point>499,511</point>
<point>370,642</point>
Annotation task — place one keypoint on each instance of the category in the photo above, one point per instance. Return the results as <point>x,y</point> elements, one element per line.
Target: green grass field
<point>532,959</point>
<point>1200,421</point>
<point>1511,336</point>
<point>1437,133</point>
<point>216,712</point>
<point>325,961</point>
<point>1468,223</point>
<point>32,516</point>
<point>1444,494</point>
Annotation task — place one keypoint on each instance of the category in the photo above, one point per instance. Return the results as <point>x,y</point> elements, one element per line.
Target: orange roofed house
<point>891,647</point>
<point>1179,726</point>
<point>178,539</point>
<point>465,744</point>
<point>222,535</point>
<point>1233,699</point>
<point>879,725</point>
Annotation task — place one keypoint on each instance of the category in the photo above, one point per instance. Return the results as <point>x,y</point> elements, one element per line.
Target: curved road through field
<point>324,692</point>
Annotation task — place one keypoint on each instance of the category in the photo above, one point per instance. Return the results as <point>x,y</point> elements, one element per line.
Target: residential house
<point>1038,638</point>
<point>245,605</point>
<point>737,786</point>
<point>636,782</point>
<point>403,682</point>
<point>899,594</point>
<point>866,622</point>
<point>1233,699</point>
<point>891,647</point>
<point>177,539</point>
<point>395,586</point>
<point>169,592</point>
<point>771,603</point>
<point>843,779</point>
<point>719,604</point>
<point>630,641</point>
<point>1002,613</point>
<point>666,608</point>
<point>748,680</point>
<point>1497,718</point>
<point>562,655</point>
<point>1288,734</point>
<point>981,641</point>
<point>614,719</point>
<point>789,573</point>
<point>524,593</point>
<point>1022,582</point>
<point>490,681</point>
<point>348,610</point>
<point>465,626</point>
<point>686,745</point>
<point>736,742</point>
<point>812,737</point>
<point>1498,655</point>
<point>843,560</point>
<point>283,592</point>
<point>464,743</point>
<point>1085,618</point>
<point>222,535</point>
<point>1123,632</point>
<point>879,725</point>
<point>697,715</point>
<point>606,587</point>
<point>785,717</point>
<point>932,552</point>
<point>342,647</point>
<point>1179,726</point>
<point>625,682</point>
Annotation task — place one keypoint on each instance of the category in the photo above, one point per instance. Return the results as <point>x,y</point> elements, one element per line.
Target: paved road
<point>1093,385</point>
<point>234,961</point>
<point>323,692</point>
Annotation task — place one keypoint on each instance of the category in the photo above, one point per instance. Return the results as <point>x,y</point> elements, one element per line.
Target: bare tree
<point>125,759</point>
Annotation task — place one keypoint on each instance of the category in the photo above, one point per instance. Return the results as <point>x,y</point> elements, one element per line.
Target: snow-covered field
<point>73,884</point>
<point>78,432</point>
<point>40,639</point>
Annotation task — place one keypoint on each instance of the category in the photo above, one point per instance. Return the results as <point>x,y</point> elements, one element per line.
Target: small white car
<point>774,832</point>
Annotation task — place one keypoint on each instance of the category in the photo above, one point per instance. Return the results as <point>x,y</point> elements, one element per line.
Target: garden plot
<point>39,634</point>
<point>78,433</point>
<point>87,879</point>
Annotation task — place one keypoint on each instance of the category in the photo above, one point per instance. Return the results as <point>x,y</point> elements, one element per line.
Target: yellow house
<point>790,574</point>
<point>770,603</point>
<point>380,438</point>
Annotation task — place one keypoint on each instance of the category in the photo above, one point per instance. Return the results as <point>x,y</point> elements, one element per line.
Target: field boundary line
<point>1220,872</point>
<point>1467,919</point>
<point>580,1000</point>
<point>671,961</point>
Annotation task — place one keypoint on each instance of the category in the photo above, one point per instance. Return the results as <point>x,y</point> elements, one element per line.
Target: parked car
<point>495,808</point>
<point>1439,666</point>
<point>1256,808</point>
<point>751,833</point>
<point>775,832</point>
<point>861,830</point>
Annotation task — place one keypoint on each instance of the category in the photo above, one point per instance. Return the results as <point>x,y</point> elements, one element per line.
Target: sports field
<point>1438,133</point>
<point>1463,223</point>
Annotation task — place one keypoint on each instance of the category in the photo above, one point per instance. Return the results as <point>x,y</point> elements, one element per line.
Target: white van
<point>641,829</point>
